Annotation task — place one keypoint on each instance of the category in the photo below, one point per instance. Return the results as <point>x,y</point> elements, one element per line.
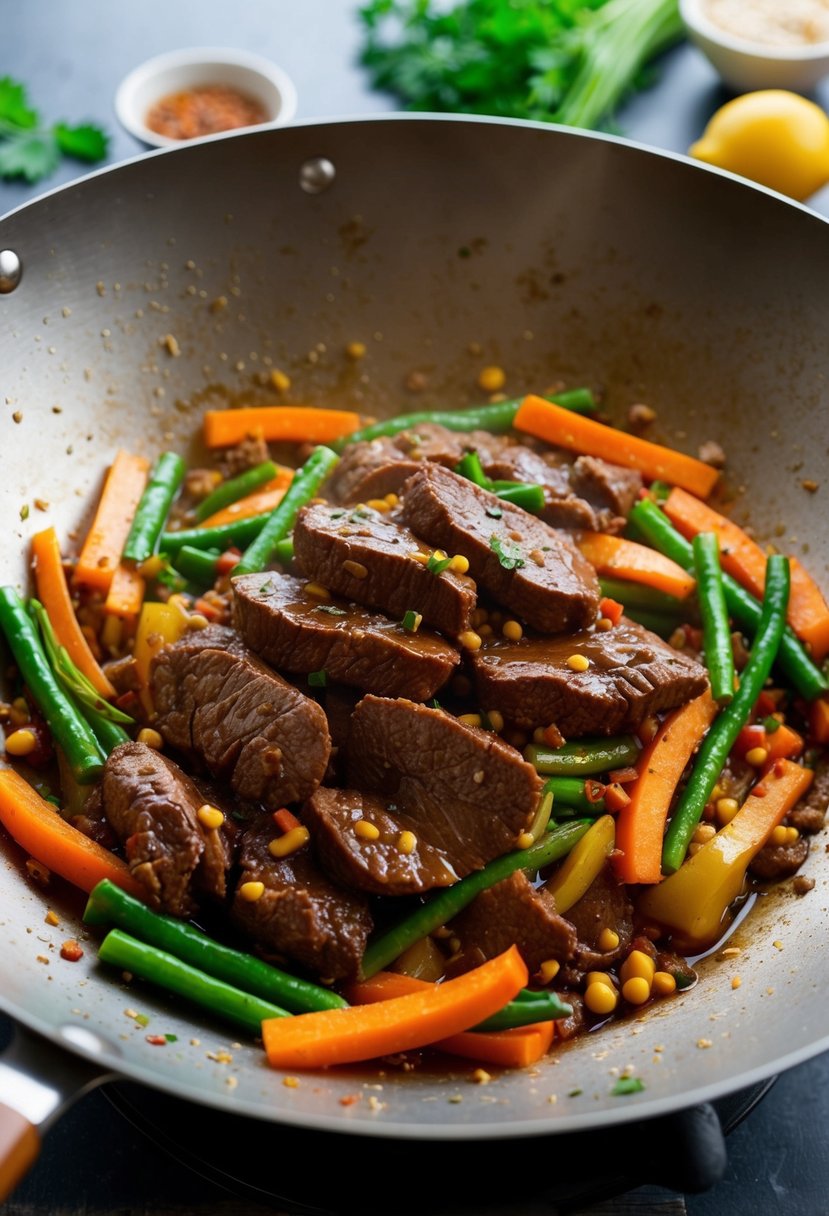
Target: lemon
<point>773,137</point>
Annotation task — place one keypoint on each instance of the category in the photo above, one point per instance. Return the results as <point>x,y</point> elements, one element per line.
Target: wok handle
<point>39,1080</point>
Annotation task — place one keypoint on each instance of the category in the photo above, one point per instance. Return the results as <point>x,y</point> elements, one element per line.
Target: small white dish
<point>199,67</point>
<point>745,65</point>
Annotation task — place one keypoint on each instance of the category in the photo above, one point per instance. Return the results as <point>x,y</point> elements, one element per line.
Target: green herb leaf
<point>627,1085</point>
<point>436,565</point>
<point>317,679</point>
<point>331,610</point>
<point>508,553</point>
<point>31,156</point>
<point>14,105</point>
<point>171,1038</point>
<point>31,151</point>
<point>83,142</point>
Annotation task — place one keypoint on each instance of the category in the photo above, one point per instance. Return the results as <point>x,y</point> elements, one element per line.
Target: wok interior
<point>443,245</point>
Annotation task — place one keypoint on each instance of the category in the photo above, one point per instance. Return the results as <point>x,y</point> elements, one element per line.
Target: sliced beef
<point>810,813</point>
<point>302,915</point>
<point>512,911</point>
<point>376,866</point>
<point>367,557</point>
<point>540,574</point>
<point>123,675</point>
<point>605,905</point>
<point>632,674</point>
<point>468,792</point>
<point>297,632</point>
<point>776,861</point>
<point>152,807</point>
<point>217,703</point>
<point>610,489</point>
<point>93,822</point>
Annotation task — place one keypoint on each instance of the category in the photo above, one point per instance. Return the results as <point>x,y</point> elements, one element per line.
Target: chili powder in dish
<point>204,110</point>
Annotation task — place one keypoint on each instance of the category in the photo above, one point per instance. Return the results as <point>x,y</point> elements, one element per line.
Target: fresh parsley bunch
<point>30,150</point>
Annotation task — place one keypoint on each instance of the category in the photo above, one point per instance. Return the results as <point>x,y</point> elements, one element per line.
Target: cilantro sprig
<point>508,554</point>
<point>31,150</point>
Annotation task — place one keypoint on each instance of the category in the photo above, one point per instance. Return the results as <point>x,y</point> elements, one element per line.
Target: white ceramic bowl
<point>194,67</point>
<point>748,65</point>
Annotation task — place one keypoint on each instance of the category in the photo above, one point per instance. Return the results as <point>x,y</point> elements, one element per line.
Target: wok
<point>444,244</point>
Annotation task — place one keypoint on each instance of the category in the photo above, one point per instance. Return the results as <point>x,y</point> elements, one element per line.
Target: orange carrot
<point>784,743</point>
<point>819,720</point>
<point>263,500</point>
<point>745,561</point>
<point>616,556</point>
<point>286,820</point>
<point>612,609</point>
<point>53,593</point>
<point>515,1048</point>
<point>126,593</point>
<point>38,828</point>
<point>275,423</point>
<point>640,826</point>
<point>105,540</point>
<point>565,429</point>
<point>363,1032</point>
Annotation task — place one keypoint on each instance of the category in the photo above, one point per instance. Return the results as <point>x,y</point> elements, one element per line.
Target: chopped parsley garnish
<point>317,679</point>
<point>627,1085</point>
<point>337,514</point>
<point>30,150</point>
<point>575,1093</point>
<point>436,565</point>
<point>508,554</point>
<point>434,703</point>
<point>171,1038</point>
<point>683,981</point>
<point>331,609</point>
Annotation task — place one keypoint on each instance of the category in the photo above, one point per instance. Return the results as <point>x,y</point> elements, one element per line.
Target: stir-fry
<point>463,730</point>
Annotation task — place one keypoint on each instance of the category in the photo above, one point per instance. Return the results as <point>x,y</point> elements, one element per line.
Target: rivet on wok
<point>11,270</point>
<point>316,174</point>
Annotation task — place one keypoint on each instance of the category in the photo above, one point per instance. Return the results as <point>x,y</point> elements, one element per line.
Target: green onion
<point>236,488</point>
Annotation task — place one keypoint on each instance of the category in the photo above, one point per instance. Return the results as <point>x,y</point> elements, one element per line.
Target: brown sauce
<point>204,111</point>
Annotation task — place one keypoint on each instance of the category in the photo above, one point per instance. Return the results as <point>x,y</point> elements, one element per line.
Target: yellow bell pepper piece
<point>694,901</point>
<point>583,864</point>
<point>159,625</point>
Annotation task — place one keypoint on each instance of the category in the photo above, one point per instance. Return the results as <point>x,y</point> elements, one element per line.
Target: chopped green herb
<point>331,609</point>
<point>32,151</point>
<point>508,554</point>
<point>317,679</point>
<point>683,981</point>
<point>770,725</point>
<point>24,511</point>
<point>337,514</point>
<point>434,703</point>
<point>660,490</point>
<point>411,620</point>
<point>494,512</point>
<point>171,1038</point>
<point>142,1019</point>
<point>436,565</point>
<point>574,1093</point>
<point>627,1085</point>
<point>266,588</point>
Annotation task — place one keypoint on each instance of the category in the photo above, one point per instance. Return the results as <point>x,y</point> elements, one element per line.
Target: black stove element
<point>310,1173</point>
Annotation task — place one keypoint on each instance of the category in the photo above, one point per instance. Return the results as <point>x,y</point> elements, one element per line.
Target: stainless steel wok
<point>442,244</point>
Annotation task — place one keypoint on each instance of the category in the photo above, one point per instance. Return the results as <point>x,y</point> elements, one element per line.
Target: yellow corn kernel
<point>21,742</point>
<point>251,891</point>
<point>663,983</point>
<point>210,817</point>
<point>356,350</point>
<point>459,564</point>
<point>608,939</point>
<point>470,719</point>
<point>470,640</point>
<point>491,379</point>
<point>392,500</point>
<point>778,835</point>
<point>512,631</point>
<point>598,977</point>
<point>19,713</point>
<point>150,738</point>
<point>152,567</point>
<point>496,720</point>
<point>486,631</point>
<point>578,662</point>
<point>280,381</point>
<point>548,970</point>
<point>406,843</point>
<point>378,504</point>
<point>638,965</point>
<point>420,557</point>
<point>479,617</point>
<point>526,840</point>
<point>600,998</point>
<point>284,846</point>
<point>317,591</point>
<point>726,808</point>
<point>792,834</point>
<point>703,833</point>
<point>357,569</point>
<point>636,990</point>
<point>366,830</point>
<point>757,756</point>
<point>736,982</point>
<point>197,622</point>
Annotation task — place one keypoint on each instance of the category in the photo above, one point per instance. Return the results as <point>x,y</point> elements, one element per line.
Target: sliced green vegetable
<point>508,553</point>
<point>716,629</point>
<point>570,791</point>
<point>581,758</point>
<point>223,536</point>
<point>547,1008</point>
<point>236,488</point>
<point>154,506</point>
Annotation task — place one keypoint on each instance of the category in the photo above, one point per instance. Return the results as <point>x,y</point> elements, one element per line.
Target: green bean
<point>570,792</point>
<point>525,1013</point>
<point>240,533</point>
<point>721,737</point>
<point>583,757</point>
<point>447,903</point>
<point>109,905</point>
<point>470,467</point>
<point>283,551</point>
<point>236,488</point>
<point>108,733</point>
<point>197,565</point>
<point>305,484</point>
<point>660,623</point>
<point>649,524</point>
<point>155,966</point>
<point>638,595</point>
<point>154,507</point>
<point>69,730</point>
<point>716,628</point>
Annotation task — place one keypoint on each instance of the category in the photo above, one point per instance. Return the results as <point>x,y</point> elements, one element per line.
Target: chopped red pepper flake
<point>612,609</point>
<point>157,1040</point>
<point>349,1099</point>
<point>71,951</point>
<point>593,790</point>
<point>228,560</point>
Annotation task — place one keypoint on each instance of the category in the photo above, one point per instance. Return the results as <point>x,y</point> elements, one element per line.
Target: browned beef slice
<point>512,912</point>
<point>302,914</point>
<point>374,467</point>
<point>469,793</point>
<point>152,806</point>
<point>552,587</point>
<point>632,674</point>
<point>93,822</point>
<point>366,557</point>
<point>123,675</point>
<point>810,813</point>
<point>611,489</point>
<point>376,866</point>
<point>605,905</point>
<point>776,861</point>
<point>300,633</point>
<point>577,494</point>
<point>217,702</point>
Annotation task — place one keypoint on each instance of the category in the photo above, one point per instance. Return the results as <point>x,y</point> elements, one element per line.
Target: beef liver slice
<point>299,633</point>
<point>467,791</point>
<point>376,866</point>
<point>512,911</point>
<point>245,723</point>
<point>302,915</point>
<point>632,674</point>
<point>366,557</point>
<point>552,588</point>
<point>152,807</point>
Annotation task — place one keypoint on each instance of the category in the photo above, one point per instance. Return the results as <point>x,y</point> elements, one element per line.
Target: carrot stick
<point>53,593</point>
<point>515,1048</point>
<point>126,593</point>
<point>640,826</point>
<point>285,423</point>
<point>616,556</point>
<point>105,540</point>
<point>745,561</point>
<point>263,500</point>
<point>38,828</point>
<point>565,429</point>
<point>819,720</point>
<point>363,1032</point>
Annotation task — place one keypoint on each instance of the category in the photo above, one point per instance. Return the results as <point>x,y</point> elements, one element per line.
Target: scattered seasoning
<point>575,1093</point>
<point>157,1040</point>
<point>627,1085</point>
<point>290,1082</point>
<point>702,1044</point>
<point>481,1077</point>
<point>171,1038</point>
<point>51,919</point>
<point>24,511</point>
<point>509,555</point>
<point>331,609</point>
<point>220,1057</point>
<point>71,951</point>
<point>204,111</point>
<point>345,1100</point>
